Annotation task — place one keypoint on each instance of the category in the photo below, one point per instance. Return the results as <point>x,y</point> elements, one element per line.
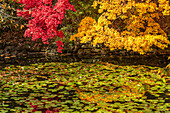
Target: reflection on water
<point>159,61</point>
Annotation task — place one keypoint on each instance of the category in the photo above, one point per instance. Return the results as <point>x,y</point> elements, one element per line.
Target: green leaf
<point>61,87</point>
<point>80,12</point>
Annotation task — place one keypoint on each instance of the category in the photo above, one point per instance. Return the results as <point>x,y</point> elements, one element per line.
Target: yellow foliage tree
<point>139,29</point>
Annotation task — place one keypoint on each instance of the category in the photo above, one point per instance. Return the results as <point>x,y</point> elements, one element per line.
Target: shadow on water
<point>147,60</point>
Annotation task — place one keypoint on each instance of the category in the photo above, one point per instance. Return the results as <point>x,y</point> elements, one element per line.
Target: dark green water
<point>154,60</point>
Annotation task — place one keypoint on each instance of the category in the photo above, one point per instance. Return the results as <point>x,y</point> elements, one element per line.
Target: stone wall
<point>13,44</point>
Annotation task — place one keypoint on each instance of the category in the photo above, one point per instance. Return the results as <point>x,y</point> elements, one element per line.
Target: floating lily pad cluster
<point>82,87</point>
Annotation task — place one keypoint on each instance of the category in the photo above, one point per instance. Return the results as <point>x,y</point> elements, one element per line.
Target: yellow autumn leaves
<point>7,14</point>
<point>84,26</point>
<point>164,5</point>
<point>128,91</point>
<point>141,31</point>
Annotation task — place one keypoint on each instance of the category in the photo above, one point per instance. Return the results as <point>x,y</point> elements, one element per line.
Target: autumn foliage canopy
<point>126,24</point>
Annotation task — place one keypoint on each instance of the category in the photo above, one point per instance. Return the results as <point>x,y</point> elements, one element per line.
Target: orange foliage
<point>139,29</point>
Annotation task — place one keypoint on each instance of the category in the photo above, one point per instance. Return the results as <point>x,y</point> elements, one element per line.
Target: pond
<point>148,60</point>
<point>75,84</point>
